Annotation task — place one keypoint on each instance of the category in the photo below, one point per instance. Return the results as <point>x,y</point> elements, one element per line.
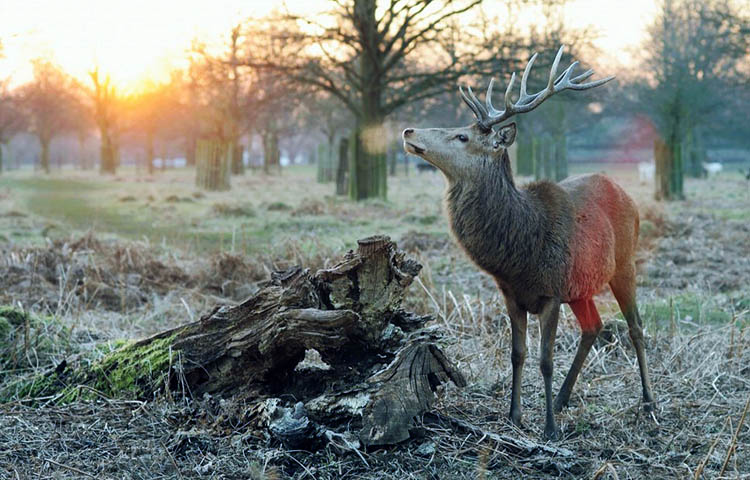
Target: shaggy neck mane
<point>500,227</point>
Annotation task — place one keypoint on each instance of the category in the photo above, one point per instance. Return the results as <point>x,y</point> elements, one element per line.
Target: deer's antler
<point>488,116</point>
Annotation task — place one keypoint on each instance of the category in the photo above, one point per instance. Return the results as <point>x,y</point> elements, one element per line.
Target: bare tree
<point>693,52</point>
<point>153,113</point>
<point>11,116</point>
<point>225,83</point>
<point>106,105</point>
<point>374,59</point>
<point>47,101</point>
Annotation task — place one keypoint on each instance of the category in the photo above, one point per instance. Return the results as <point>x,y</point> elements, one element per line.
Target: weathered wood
<point>382,366</point>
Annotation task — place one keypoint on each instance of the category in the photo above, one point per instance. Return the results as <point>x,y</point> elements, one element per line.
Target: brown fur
<point>544,244</point>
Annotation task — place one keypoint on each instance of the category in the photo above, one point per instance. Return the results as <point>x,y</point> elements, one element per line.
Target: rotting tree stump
<point>382,366</point>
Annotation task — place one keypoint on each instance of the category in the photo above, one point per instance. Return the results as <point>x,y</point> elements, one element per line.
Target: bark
<point>342,168</point>
<point>271,153</point>
<point>212,165</point>
<point>383,367</point>
<point>669,169</point>
<point>369,170</point>
<point>108,154</point>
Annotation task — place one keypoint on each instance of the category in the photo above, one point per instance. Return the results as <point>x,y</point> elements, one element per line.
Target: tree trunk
<point>108,154</point>
<point>45,154</point>
<point>369,175</point>
<point>370,170</point>
<point>1,157</point>
<point>271,153</point>
<point>238,168</point>
<point>325,162</point>
<point>190,151</point>
<point>669,174</point>
<point>392,160</point>
<point>212,169</point>
<point>382,368</point>
<point>342,169</point>
<point>163,165</point>
<point>693,153</point>
<point>150,152</point>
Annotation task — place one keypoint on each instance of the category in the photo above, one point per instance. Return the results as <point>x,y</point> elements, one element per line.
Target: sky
<point>137,40</point>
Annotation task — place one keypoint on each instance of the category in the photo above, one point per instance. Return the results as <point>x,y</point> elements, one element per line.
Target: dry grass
<point>693,291</point>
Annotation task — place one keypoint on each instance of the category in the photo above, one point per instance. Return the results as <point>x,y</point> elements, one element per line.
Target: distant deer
<point>545,243</point>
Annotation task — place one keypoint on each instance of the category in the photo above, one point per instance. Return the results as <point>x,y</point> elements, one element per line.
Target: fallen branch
<point>530,451</point>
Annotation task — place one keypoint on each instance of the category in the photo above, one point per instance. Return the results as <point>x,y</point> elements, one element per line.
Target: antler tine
<point>508,101</point>
<point>491,111</point>
<point>477,103</point>
<point>468,102</point>
<point>583,76</point>
<point>525,77</point>
<point>586,86</point>
<point>553,70</point>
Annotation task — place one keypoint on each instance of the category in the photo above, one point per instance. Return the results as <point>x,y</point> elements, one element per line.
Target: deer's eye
<point>463,138</point>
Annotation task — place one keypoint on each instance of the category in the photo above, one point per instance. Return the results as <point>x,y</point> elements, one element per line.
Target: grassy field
<point>162,253</point>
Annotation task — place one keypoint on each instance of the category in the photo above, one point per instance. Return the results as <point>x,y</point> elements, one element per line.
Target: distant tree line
<point>336,88</point>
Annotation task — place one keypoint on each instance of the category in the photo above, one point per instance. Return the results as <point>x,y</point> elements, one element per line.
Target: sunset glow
<point>139,40</point>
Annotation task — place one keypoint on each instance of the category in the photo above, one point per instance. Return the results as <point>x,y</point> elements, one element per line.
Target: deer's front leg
<point>517,356</point>
<point>548,325</point>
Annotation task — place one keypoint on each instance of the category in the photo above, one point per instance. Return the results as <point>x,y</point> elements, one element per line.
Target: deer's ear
<point>505,136</point>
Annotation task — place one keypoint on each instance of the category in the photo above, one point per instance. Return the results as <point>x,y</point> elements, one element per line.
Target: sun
<point>131,41</point>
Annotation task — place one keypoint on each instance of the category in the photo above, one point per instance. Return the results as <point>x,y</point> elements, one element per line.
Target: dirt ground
<point>103,285</point>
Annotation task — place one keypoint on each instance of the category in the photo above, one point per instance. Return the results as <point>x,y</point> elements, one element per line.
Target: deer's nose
<point>408,132</point>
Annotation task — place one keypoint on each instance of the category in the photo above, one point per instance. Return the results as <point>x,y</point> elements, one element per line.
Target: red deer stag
<point>545,243</point>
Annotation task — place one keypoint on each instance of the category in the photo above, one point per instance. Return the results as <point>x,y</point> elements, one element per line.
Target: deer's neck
<point>504,230</point>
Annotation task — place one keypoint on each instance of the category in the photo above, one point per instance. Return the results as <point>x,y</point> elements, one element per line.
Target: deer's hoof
<point>649,407</point>
<point>552,434</point>
<point>516,420</point>
<point>560,404</point>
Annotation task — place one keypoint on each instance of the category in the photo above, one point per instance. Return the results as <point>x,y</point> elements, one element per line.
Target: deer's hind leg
<point>591,324</point>
<point>623,288</point>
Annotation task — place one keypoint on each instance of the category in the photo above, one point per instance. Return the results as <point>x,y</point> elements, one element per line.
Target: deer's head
<point>461,153</point>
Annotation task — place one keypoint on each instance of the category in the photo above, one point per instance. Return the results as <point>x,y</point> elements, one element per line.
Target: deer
<point>545,243</point>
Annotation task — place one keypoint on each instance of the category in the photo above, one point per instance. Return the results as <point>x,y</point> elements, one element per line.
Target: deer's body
<point>545,240</point>
<point>545,243</point>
